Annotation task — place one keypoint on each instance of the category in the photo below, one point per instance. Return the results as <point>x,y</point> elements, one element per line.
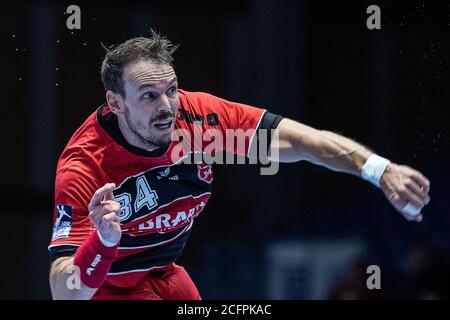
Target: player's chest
<point>164,198</point>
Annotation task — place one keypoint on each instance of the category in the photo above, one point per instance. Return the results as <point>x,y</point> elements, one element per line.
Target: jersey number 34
<point>145,197</point>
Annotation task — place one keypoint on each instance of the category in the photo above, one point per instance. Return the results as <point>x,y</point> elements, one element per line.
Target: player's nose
<point>165,104</point>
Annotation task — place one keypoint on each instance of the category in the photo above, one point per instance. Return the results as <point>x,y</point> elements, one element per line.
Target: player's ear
<point>114,102</point>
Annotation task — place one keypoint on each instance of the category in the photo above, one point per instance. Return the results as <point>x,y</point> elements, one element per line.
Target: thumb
<point>109,191</point>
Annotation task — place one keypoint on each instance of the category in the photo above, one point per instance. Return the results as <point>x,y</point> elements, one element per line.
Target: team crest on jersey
<point>205,172</point>
<point>63,222</point>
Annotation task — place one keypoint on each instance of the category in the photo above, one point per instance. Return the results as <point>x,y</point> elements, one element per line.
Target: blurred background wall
<point>305,233</point>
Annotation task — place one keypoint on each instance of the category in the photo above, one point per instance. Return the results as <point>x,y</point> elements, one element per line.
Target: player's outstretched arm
<point>405,188</point>
<point>93,259</point>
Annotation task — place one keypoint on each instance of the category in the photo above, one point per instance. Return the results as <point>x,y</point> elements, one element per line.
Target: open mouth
<point>163,125</point>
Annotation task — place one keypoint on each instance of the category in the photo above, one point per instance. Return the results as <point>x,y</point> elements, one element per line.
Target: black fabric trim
<point>270,121</point>
<point>62,251</point>
<point>152,257</point>
<point>110,124</point>
<point>128,241</point>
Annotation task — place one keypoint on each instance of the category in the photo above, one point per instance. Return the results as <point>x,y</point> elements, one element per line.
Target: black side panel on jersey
<point>153,257</point>
<point>130,242</point>
<point>152,240</point>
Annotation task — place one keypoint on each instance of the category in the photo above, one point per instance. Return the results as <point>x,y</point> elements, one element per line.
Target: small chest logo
<point>205,172</point>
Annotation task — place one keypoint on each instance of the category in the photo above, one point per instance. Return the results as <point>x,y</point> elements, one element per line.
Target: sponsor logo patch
<point>63,222</point>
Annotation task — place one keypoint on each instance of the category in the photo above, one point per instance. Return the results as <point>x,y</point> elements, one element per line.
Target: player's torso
<point>161,199</point>
<point>158,193</point>
<point>158,208</point>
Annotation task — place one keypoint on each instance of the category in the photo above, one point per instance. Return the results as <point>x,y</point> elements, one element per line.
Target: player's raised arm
<point>93,259</point>
<point>405,188</point>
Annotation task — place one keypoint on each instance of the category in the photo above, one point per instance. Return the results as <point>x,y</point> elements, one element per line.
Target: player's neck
<point>134,139</point>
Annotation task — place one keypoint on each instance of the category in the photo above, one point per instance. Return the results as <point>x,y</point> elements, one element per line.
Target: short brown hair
<point>156,48</point>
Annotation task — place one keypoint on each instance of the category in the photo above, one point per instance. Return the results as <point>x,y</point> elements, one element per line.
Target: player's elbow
<point>65,283</point>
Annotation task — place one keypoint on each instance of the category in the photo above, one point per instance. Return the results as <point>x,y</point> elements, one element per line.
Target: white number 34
<point>145,197</point>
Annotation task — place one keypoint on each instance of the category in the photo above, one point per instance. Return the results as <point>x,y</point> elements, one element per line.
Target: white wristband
<point>374,168</point>
<point>106,243</point>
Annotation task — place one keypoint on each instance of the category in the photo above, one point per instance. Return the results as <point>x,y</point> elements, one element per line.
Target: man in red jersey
<point>125,199</point>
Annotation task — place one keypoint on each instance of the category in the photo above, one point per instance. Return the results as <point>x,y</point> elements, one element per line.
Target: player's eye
<point>172,90</point>
<point>148,96</point>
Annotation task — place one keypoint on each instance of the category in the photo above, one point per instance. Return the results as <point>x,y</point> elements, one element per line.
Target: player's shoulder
<point>196,95</point>
<point>82,169</point>
<point>87,135</point>
<point>82,152</point>
<point>197,99</point>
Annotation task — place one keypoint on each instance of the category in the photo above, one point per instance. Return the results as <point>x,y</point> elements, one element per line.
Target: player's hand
<point>402,185</point>
<point>104,212</point>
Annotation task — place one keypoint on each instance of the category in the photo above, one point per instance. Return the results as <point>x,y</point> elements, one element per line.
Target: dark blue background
<point>314,61</point>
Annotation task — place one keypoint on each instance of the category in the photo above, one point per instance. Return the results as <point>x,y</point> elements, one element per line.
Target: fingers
<point>110,195</point>
<point>107,220</point>
<point>417,187</point>
<point>399,203</point>
<point>110,217</point>
<point>105,191</point>
<point>418,190</point>
<point>417,218</point>
<point>421,180</point>
<point>404,185</point>
<point>409,196</point>
<point>107,207</point>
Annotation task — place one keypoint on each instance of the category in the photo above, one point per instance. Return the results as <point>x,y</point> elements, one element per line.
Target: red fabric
<point>92,158</point>
<point>174,284</point>
<point>94,261</point>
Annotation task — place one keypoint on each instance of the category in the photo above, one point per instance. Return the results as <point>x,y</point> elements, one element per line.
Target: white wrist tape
<point>374,168</point>
<point>411,210</point>
<point>106,243</point>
